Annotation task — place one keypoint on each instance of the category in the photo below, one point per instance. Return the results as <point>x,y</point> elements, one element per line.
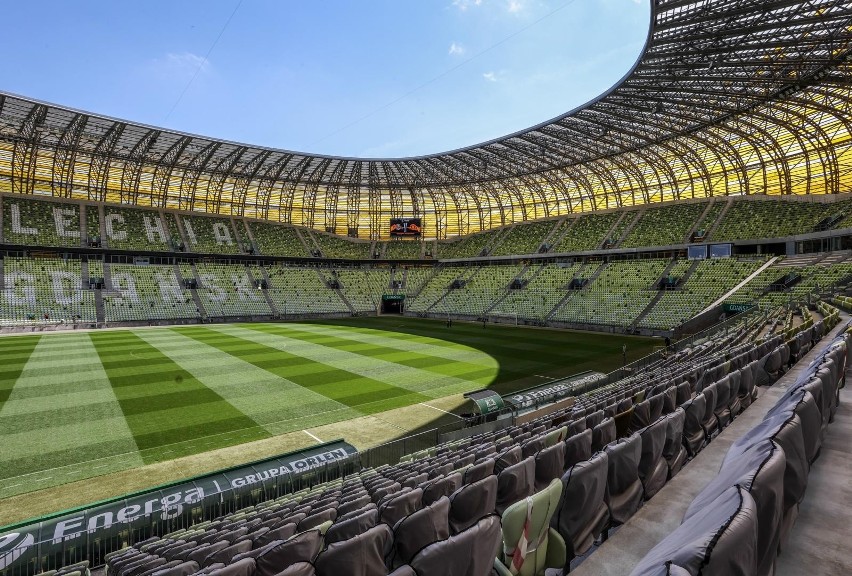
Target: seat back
<point>603,434</point>
<point>549,464</point>
<point>414,532</point>
<point>583,513</point>
<point>623,486</point>
<point>709,422</point>
<point>720,541</point>
<point>361,555</point>
<point>578,448</point>
<point>693,433</point>
<point>641,417</point>
<point>785,428</point>
<point>760,470</point>
<point>397,507</point>
<point>655,407</point>
<point>507,458</point>
<point>530,518</point>
<point>673,450</point>
<point>244,567</point>
<point>351,527</point>
<point>515,483</point>
<point>471,502</point>
<point>302,547</point>
<point>653,469</point>
<point>803,403</point>
<point>441,487</point>
<point>468,553</point>
<point>479,471</point>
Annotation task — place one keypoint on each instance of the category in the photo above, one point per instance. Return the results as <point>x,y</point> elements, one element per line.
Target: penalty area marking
<point>312,436</point>
<point>439,409</point>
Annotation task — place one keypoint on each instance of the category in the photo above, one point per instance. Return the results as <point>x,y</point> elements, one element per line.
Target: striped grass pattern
<point>82,404</point>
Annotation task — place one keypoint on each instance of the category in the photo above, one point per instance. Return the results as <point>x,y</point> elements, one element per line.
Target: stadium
<point>612,343</point>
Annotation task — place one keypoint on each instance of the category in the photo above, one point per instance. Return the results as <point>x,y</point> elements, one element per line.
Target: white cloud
<point>465,4</point>
<point>515,6</point>
<point>490,76</point>
<point>179,66</point>
<point>456,49</point>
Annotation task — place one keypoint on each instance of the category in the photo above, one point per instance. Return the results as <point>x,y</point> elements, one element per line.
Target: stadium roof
<point>728,97</point>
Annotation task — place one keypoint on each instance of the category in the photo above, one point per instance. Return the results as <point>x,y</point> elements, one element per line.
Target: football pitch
<point>83,404</point>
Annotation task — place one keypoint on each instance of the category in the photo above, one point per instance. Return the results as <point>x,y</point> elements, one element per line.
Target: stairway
<point>195,297</point>
<point>419,289</point>
<point>467,279</point>
<point>250,236</point>
<point>265,292</point>
<point>338,291</point>
<point>639,215</point>
<point>310,243</point>
<point>498,239</point>
<point>657,297</point>
<point>507,290</point>
<point>688,238</point>
<point>569,293</point>
<point>712,229</point>
<point>100,310</point>
<point>611,229</point>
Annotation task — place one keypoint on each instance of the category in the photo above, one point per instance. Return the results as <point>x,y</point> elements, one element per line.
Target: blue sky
<point>368,78</point>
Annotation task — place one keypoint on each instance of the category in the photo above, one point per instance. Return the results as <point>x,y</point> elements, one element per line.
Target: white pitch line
<point>312,436</point>
<point>438,409</point>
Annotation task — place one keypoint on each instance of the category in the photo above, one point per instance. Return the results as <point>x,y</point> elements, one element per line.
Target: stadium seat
<point>583,514</point>
<point>720,541</point>
<point>530,545</point>
<point>623,486</point>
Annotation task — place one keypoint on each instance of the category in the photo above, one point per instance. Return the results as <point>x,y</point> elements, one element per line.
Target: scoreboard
<point>405,227</point>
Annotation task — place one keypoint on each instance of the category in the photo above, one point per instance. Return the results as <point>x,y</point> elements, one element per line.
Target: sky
<point>362,78</point>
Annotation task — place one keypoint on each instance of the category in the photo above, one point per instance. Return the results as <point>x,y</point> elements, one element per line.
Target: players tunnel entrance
<point>393,303</point>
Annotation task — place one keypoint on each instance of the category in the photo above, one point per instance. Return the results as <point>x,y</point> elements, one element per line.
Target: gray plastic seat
<point>515,483</point>
<point>351,527</point>
<point>400,506</point>
<point>468,553</point>
<point>549,465</point>
<point>603,434</point>
<point>471,502</point>
<point>760,471</point>
<point>441,487</point>
<point>720,541</point>
<point>418,530</point>
<point>583,513</point>
<point>674,451</point>
<point>302,547</point>
<point>578,448</point>
<point>361,555</point>
<point>623,486</point>
<point>653,468</point>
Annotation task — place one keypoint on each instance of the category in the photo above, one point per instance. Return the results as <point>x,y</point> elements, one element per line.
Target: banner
<point>74,534</point>
<point>554,390</point>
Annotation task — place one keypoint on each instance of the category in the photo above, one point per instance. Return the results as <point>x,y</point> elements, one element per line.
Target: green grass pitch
<point>82,404</point>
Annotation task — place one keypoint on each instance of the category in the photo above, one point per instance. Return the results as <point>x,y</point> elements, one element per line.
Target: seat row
<point>575,473</point>
<point>741,521</point>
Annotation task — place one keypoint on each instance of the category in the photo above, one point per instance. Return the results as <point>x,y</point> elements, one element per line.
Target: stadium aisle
<point>662,514</point>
